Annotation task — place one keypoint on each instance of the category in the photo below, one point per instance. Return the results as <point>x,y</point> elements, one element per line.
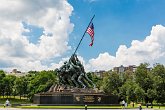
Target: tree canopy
<point>143,85</point>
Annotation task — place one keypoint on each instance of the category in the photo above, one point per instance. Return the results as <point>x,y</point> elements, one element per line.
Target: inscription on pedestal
<point>99,99</point>
<point>75,99</point>
<point>88,99</point>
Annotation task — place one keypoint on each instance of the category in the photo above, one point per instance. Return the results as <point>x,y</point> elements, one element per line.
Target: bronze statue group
<point>72,73</point>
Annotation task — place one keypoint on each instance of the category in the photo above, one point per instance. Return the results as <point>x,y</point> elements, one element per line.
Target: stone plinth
<point>74,96</point>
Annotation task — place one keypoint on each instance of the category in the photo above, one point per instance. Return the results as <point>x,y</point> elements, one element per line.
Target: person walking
<point>7,103</point>
<point>123,104</point>
<point>85,107</point>
<point>140,107</point>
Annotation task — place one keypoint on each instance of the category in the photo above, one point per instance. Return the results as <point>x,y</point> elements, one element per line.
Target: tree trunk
<point>7,94</point>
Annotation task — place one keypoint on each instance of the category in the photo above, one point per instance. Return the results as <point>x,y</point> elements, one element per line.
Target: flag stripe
<point>90,31</point>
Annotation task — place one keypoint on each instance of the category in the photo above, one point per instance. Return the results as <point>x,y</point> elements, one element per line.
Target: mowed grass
<point>64,107</point>
<point>24,100</point>
<point>89,106</point>
<point>72,107</point>
<point>157,107</point>
<point>81,107</point>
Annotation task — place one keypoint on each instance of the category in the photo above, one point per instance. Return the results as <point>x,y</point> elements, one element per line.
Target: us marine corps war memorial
<point>74,87</point>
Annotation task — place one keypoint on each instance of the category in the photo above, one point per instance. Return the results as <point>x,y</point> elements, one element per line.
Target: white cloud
<point>51,15</point>
<point>151,50</point>
<point>102,62</point>
<point>16,51</point>
<point>59,64</point>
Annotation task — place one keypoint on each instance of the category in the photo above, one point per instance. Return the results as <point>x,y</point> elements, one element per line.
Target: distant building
<point>99,73</point>
<point>122,69</point>
<point>17,73</point>
<point>131,68</point>
<point>14,71</point>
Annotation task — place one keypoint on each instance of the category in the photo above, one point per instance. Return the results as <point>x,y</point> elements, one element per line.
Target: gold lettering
<point>78,99</point>
<point>99,99</point>
<point>88,98</point>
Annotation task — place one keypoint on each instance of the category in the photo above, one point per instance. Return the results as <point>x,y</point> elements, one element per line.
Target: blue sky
<point>117,22</point>
<point>43,36</point>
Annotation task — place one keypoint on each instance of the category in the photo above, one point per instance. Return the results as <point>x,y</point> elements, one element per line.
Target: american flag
<point>90,31</point>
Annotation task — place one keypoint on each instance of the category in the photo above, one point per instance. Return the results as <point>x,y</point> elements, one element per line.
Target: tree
<point>112,83</point>
<point>2,86</point>
<point>8,82</point>
<point>95,79</point>
<point>123,92</point>
<point>40,82</point>
<point>144,78</point>
<point>2,74</point>
<point>140,94</point>
<point>159,73</point>
<point>128,75</point>
<point>151,93</point>
<point>20,86</point>
<point>127,91</point>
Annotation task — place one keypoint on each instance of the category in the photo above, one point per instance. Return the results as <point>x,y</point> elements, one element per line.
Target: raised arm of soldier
<point>73,62</point>
<point>63,67</point>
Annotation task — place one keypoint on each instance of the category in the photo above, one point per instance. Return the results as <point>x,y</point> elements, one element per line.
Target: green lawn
<point>17,100</point>
<point>79,107</point>
<point>157,107</point>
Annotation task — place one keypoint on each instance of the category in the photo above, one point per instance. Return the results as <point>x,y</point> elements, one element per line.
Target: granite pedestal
<point>75,97</point>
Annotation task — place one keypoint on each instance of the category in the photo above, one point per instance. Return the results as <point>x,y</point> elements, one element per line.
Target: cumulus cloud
<point>151,50</point>
<point>51,15</point>
<point>17,51</point>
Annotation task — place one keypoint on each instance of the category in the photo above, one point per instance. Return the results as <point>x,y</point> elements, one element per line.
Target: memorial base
<point>62,95</point>
<point>74,99</point>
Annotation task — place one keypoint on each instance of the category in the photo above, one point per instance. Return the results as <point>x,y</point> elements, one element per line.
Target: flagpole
<point>83,36</point>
